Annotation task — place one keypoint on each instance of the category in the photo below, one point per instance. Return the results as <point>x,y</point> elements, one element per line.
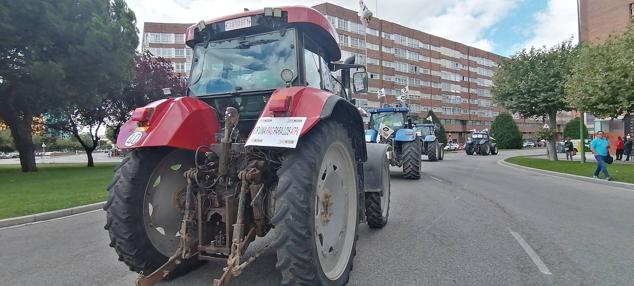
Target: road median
<point>623,175</point>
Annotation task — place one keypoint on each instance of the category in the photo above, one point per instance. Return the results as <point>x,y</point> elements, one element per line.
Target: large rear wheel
<point>377,205</point>
<point>411,160</point>
<point>145,207</point>
<point>316,204</point>
<point>432,151</point>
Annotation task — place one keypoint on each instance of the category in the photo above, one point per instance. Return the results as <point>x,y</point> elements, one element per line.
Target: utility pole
<point>582,151</point>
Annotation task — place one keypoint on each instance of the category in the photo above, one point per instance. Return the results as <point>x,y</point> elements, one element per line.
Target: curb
<point>49,215</point>
<point>570,176</point>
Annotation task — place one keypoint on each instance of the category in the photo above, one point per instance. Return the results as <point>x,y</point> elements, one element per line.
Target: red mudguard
<point>183,122</point>
<point>304,102</point>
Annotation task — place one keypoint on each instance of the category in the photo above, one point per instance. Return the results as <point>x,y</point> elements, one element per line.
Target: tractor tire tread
<point>411,158</point>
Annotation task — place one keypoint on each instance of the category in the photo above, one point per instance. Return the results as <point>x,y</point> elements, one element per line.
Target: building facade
<point>452,79</point>
<point>167,40</point>
<point>600,19</point>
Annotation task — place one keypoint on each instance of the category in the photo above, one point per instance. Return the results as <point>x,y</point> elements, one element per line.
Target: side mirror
<point>360,82</point>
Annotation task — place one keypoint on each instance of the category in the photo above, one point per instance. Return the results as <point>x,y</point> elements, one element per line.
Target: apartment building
<point>452,79</point>
<point>167,40</point>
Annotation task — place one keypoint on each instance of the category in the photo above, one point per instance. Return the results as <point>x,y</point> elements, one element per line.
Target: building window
<point>154,37</point>
<point>179,53</point>
<point>167,38</point>
<point>632,10</point>
<point>179,38</point>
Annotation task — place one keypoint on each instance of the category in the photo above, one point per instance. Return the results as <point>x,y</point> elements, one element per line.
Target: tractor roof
<point>307,19</point>
<point>388,109</point>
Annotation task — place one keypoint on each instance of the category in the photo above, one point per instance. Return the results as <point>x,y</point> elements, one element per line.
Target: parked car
<point>4,155</point>
<point>528,144</point>
<point>452,147</point>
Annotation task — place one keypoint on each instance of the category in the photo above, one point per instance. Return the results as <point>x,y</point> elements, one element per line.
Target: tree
<point>506,133</point>
<point>571,130</point>
<point>442,135</point>
<point>532,82</point>
<point>58,56</point>
<point>109,46</point>
<point>602,80</point>
<point>152,76</point>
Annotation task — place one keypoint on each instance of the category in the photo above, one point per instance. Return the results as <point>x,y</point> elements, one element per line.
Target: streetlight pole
<point>582,151</point>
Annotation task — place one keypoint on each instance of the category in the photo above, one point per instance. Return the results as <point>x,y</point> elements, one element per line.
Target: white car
<point>528,144</point>
<point>451,147</point>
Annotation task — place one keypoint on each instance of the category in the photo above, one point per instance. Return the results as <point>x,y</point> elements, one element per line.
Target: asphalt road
<point>468,221</point>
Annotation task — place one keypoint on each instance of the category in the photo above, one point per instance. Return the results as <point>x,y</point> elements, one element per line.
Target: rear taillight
<point>280,103</point>
<point>142,114</point>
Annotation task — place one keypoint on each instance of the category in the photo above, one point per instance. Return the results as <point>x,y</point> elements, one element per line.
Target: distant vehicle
<point>13,155</point>
<point>528,144</point>
<point>430,145</point>
<point>481,143</point>
<point>452,147</point>
<point>4,155</point>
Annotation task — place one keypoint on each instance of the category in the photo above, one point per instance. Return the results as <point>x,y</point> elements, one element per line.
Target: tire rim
<point>164,202</point>
<point>335,211</point>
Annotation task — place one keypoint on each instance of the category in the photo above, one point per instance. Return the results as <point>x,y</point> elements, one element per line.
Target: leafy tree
<point>60,56</point>
<point>442,135</point>
<point>153,74</point>
<point>114,40</point>
<point>602,80</point>
<point>571,130</point>
<point>506,133</point>
<point>531,83</point>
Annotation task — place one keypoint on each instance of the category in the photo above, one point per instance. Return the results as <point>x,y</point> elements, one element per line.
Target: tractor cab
<point>386,122</point>
<point>240,61</point>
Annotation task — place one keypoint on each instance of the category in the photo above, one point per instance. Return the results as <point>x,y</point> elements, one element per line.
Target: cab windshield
<point>424,130</point>
<point>393,120</point>
<point>477,136</point>
<point>243,64</point>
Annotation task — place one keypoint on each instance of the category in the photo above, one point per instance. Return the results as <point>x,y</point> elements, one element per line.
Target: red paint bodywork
<point>296,14</point>
<point>305,102</point>
<point>183,122</point>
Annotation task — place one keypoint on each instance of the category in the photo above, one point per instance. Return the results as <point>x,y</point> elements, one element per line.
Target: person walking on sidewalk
<point>570,149</point>
<point>627,150</point>
<point>600,147</point>
<point>619,148</point>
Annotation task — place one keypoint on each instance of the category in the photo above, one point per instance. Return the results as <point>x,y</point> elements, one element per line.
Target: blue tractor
<point>390,125</point>
<point>428,133</point>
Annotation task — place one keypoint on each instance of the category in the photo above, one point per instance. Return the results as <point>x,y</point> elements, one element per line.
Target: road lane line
<point>439,180</point>
<point>531,253</point>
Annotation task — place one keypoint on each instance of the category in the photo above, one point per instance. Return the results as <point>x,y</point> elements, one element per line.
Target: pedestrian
<point>619,148</point>
<point>570,149</point>
<point>600,147</point>
<point>627,150</point>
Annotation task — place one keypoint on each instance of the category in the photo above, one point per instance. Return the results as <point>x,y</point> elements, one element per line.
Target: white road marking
<point>439,180</point>
<point>531,253</point>
<point>49,220</point>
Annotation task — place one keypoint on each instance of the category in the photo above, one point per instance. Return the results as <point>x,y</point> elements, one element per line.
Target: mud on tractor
<point>428,133</point>
<point>481,143</point>
<point>265,142</point>
<point>390,125</point>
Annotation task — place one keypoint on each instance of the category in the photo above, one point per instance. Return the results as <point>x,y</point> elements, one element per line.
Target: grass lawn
<point>619,172</point>
<point>52,187</point>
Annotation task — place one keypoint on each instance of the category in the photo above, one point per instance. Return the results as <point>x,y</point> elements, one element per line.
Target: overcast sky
<point>500,26</point>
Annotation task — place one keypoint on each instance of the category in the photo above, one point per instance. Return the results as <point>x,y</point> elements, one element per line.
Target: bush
<point>506,133</point>
<point>442,135</point>
<point>572,129</point>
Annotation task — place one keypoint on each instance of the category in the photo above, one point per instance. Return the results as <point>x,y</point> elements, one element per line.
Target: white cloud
<point>465,21</point>
<point>556,23</point>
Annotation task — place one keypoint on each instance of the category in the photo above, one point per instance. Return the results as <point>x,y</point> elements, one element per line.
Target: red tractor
<point>266,140</point>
